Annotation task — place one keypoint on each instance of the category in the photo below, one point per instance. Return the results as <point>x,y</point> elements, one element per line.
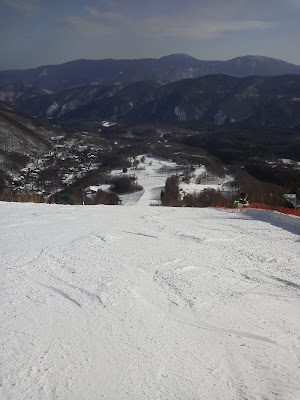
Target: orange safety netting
<point>262,206</point>
<point>283,210</point>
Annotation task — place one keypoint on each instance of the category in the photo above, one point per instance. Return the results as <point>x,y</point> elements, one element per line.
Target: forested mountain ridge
<point>169,68</point>
<point>218,99</point>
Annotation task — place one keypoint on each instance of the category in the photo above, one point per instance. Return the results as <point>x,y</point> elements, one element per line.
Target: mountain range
<point>169,68</point>
<point>254,90</point>
<point>218,99</point>
<point>222,99</point>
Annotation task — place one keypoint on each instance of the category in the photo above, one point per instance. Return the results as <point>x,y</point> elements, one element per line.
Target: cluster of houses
<point>68,161</point>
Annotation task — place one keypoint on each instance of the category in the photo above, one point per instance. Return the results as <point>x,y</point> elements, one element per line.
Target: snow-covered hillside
<point>152,174</point>
<point>112,302</point>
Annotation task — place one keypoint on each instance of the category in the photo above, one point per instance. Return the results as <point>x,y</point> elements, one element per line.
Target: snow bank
<point>284,221</point>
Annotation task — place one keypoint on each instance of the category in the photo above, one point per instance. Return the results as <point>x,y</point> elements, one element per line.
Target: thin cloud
<point>110,3</point>
<point>166,27</point>
<point>92,11</point>
<point>95,24</point>
<point>104,16</point>
<point>86,28</point>
<point>24,6</point>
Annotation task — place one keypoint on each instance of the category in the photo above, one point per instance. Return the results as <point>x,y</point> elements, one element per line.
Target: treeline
<point>9,195</point>
<point>238,144</point>
<point>258,152</point>
<point>257,191</point>
<point>120,184</point>
<point>279,174</point>
<point>172,196</point>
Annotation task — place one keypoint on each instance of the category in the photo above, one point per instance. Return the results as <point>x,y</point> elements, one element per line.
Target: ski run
<point>135,302</point>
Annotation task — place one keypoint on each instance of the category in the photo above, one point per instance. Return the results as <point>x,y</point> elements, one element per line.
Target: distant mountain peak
<point>178,56</point>
<point>260,58</point>
<point>185,55</point>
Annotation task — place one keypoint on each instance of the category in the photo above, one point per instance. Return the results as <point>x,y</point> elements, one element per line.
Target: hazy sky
<point>40,32</point>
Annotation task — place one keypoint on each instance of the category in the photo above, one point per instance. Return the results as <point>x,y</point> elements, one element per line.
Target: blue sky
<point>41,32</point>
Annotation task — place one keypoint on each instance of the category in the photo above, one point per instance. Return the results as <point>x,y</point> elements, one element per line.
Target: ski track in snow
<point>136,302</point>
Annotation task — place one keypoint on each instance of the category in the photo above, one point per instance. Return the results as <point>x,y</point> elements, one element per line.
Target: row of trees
<point>258,192</point>
<point>171,196</point>
<point>9,195</point>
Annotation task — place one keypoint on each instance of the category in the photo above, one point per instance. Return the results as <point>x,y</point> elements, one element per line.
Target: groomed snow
<point>113,302</point>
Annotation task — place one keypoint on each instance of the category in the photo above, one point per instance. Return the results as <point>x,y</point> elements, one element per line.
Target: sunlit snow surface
<point>139,302</point>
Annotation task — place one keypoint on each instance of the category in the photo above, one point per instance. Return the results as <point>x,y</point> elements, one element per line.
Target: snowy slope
<point>142,302</point>
<point>152,175</point>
